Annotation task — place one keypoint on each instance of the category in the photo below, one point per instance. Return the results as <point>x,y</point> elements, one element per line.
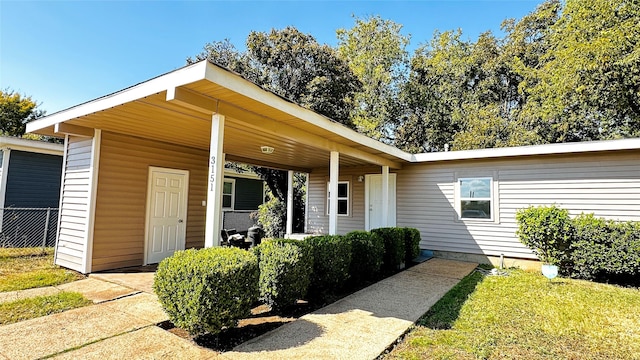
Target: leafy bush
<point>606,250</point>
<point>367,250</point>
<point>547,230</point>
<point>411,244</point>
<point>204,291</point>
<point>272,217</point>
<point>285,269</point>
<point>394,248</point>
<point>331,261</point>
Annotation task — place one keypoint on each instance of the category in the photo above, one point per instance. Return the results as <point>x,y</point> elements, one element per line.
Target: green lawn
<point>26,268</point>
<point>31,268</point>
<point>525,316</point>
<point>24,309</point>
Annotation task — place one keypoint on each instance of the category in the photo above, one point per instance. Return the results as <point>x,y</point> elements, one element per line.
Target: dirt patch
<point>261,321</point>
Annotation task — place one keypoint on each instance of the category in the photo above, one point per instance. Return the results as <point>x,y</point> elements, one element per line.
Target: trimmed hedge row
<point>331,263</point>
<point>585,247</point>
<point>204,291</point>
<point>285,269</point>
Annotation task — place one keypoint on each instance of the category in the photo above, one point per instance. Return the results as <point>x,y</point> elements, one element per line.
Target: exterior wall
<point>317,219</point>
<point>607,184</point>
<point>33,180</point>
<point>74,204</point>
<point>249,195</point>
<point>119,232</point>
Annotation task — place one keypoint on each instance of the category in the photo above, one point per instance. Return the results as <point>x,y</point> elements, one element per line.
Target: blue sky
<point>63,53</point>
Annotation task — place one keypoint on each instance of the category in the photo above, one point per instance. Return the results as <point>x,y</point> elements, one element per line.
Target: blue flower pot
<point>549,271</point>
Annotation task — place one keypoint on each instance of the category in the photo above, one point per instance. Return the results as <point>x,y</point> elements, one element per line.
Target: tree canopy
<point>16,111</point>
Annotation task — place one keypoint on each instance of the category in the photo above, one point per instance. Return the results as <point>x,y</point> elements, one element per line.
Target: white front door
<point>166,213</point>
<point>373,201</point>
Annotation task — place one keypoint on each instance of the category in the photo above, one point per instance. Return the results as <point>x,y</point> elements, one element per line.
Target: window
<point>476,195</point>
<point>228,191</point>
<point>343,198</point>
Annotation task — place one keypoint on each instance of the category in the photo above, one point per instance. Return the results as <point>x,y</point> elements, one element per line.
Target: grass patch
<point>443,313</point>
<point>27,268</point>
<point>24,309</point>
<point>524,315</point>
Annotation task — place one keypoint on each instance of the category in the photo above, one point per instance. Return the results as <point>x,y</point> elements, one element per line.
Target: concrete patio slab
<point>96,290</point>
<point>147,343</point>
<point>139,277</point>
<point>142,305</point>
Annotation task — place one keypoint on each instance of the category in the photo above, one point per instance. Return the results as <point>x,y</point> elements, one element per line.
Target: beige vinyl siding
<point>607,184</point>
<point>74,204</point>
<point>318,221</point>
<point>119,233</point>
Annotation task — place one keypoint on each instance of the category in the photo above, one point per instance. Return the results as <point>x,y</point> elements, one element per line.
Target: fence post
<point>46,230</point>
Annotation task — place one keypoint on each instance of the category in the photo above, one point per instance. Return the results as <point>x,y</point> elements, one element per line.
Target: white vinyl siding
<point>74,204</point>
<point>607,184</point>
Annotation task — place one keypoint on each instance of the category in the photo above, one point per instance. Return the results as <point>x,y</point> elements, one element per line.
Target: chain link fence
<point>28,227</point>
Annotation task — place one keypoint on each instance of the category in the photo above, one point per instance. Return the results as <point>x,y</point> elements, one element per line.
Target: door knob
<point>180,221</point>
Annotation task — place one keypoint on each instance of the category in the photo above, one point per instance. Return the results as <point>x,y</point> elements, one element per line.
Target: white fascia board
<point>546,149</point>
<point>179,77</point>
<point>33,146</point>
<point>236,83</point>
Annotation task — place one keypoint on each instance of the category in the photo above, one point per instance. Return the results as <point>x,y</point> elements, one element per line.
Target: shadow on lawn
<point>444,313</point>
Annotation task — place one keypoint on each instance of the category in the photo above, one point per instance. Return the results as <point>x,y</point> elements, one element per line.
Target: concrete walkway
<point>122,323</point>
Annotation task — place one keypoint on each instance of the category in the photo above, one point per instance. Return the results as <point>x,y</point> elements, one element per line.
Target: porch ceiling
<point>250,123</point>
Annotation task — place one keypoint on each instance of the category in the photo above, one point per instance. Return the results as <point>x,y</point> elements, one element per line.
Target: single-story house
<point>143,174</point>
<point>30,173</point>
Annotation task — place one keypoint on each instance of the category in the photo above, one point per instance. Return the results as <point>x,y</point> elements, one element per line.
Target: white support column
<point>213,217</point>
<point>385,196</point>
<point>290,202</point>
<point>334,166</point>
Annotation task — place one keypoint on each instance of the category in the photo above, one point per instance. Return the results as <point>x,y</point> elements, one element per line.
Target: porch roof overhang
<point>177,107</point>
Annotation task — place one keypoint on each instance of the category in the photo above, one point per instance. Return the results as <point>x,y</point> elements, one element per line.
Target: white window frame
<point>233,193</point>
<point>347,198</point>
<point>461,198</point>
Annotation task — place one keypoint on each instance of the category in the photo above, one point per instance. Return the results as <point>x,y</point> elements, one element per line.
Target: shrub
<point>367,250</point>
<point>547,230</point>
<point>606,250</point>
<point>331,261</point>
<point>411,244</point>
<point>394,249</point>
<point>204,291</point>
<point>285,269</point>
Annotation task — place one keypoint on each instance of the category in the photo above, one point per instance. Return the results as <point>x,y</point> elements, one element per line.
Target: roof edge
<point>35,146</point>
<point>531,150</point>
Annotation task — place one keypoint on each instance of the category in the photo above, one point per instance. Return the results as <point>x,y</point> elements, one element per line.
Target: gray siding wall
<point>33,180</point>
<point>74,210</point>
<point>607,184</point>
<point>317,219</point>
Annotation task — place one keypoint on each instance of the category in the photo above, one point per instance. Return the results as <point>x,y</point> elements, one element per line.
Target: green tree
<point>434,93</point>
<point>16,111</point>
<point>376,52</point>
<point>587,84</point>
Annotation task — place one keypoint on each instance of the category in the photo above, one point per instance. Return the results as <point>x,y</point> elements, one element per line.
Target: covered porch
<point>143,167</point>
